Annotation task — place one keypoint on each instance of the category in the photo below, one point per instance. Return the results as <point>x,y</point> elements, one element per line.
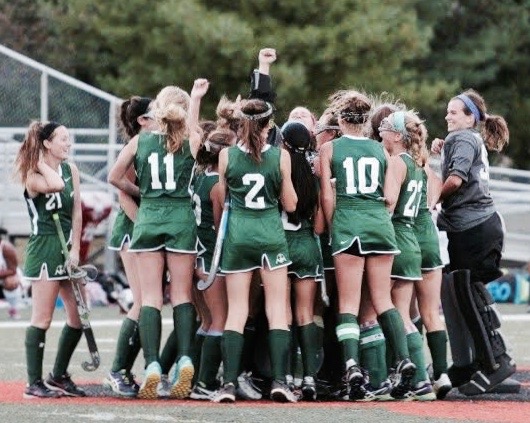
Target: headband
<point>259,116</point>
<point>471,106</point>
<point>398,123</point>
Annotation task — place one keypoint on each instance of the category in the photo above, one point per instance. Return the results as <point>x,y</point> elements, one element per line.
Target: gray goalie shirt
<point>465,155</point>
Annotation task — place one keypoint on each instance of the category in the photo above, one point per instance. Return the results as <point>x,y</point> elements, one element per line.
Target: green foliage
<point>423,52</point>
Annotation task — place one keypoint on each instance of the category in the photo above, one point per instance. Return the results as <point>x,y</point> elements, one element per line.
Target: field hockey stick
<point>323,286</point>
<point>223,226</point>
<point>82,308</point>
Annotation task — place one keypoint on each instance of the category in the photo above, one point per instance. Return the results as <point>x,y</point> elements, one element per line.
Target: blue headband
<point>399,123</point>
<point>471,106</point>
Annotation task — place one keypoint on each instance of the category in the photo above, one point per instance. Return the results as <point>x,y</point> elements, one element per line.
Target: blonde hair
<point>415,142</point>
<point>228,114</point>
<point>170,109</point>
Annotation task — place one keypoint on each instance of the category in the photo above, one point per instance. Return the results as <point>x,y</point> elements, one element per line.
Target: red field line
<point>486,411</point>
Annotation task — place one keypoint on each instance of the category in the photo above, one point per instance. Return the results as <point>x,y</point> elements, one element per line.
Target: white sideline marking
<point>61,323</point>
<point>117,322</point>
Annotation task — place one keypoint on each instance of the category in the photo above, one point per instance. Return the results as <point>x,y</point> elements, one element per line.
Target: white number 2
<point>413,204</point>
<point>53,201</point>
<point>251,201</point>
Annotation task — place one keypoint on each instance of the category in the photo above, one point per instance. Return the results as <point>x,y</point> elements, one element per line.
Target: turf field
<point>102,407</point>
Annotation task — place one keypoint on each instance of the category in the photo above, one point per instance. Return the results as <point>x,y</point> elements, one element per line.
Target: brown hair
<point>208,153</point>
<point>171,112</point>
<point>130,110</point>
<point>494,129</point>
<point>251,129</point>
<point>228,114</point>
<point>30,150</point>
<point>352,106</point>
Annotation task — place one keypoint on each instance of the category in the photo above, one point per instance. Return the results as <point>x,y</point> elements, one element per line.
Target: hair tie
<point>471,106</point>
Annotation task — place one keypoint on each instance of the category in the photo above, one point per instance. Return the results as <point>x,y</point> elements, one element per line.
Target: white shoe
<point>442,386</point>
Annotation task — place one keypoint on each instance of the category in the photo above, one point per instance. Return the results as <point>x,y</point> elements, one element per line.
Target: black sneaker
<point>121,383</point>
<point>356,380</point>
<point>401,378</point>
<point>280,392</point>
<point>39,390</point>
<point>309,389</point>
<point>380,393</point>
<point>227,393</point>
<point>64,385</point>
<point>201,392</point>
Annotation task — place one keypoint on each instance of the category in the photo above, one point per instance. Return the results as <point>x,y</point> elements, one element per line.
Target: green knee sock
<point>437,342</point>
<point>196,351</point>
<point>184,324</point>
<point>211,357</point>
<point>150,324</point>
<point>35,340</point>
<point>249,334</point>
<point>134,348</point>
<point>348,335</point>
<point>418,322</point>
<point>231,347</point>
<point>417,356</point>
<point>67,342</point>
<point>394,330</point>
<point>279,344</point>
<point>127,332</point>
<point>169,353</point>
<point>308,338</point>
<point>373,354</point>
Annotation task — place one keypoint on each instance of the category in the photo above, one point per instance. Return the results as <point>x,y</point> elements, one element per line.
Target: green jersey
<point>162,174</point>
<point>359,166</point>
<point>202,187</point>
<point>409,199</point>
<point>42,207</point>
<point>252,185</point>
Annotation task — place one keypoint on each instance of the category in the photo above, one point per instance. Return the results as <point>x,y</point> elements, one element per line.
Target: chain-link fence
<point>32,91</point>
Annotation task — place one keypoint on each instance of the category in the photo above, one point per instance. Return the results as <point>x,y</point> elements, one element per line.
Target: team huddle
<point>303,260</point>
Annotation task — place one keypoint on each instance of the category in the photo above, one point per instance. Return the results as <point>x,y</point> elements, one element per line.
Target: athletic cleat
<point>121,383</point>
<point>163,387</point>
<point>381,393</point>
<point>280,392</point>
<point>182,378</point>
<point>401,378</point>
<point>422,392</point>
<point>64,385</point>
<point>309,389</point>
<point>442,386</point>
<point>356,381</point>
<point>149,387</point>
<point>246,389</point>
<point>132,380</point>
<point>39,390</point>
<point>201,392</point>
<point>227,393</point>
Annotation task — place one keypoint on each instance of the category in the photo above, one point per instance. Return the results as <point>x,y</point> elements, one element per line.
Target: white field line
<point>61,323</point>
<point>117,322</point>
